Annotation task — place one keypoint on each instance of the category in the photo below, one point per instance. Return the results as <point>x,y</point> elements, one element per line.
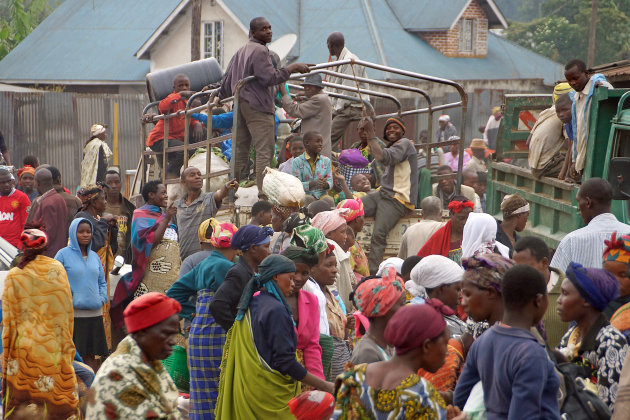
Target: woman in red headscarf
<point>447,240</point>
<point>392,389</point>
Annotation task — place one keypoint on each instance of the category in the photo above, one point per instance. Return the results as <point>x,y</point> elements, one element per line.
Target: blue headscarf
<point>269,267</point>
<point>597,286</point>
<point>249,235</point>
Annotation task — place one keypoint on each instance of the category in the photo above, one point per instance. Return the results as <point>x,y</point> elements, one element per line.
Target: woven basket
<point>177,366</point>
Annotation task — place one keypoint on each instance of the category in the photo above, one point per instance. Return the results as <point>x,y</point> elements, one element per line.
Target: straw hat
<point>478,144</point>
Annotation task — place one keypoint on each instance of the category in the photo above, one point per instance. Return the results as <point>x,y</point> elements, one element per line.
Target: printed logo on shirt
<point>15,204</point>
<point>4,216</point>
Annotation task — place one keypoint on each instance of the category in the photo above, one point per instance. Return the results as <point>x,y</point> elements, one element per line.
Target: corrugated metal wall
<point>54,126</point>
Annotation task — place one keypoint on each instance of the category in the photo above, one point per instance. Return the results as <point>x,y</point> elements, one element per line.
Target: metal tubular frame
<point>319,68</point>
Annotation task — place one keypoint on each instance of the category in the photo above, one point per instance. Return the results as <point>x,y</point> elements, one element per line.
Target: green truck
<point>553,203</point>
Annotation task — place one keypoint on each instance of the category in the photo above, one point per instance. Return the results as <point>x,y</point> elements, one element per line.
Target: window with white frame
<point>213,40</point>
<point>466,35</point>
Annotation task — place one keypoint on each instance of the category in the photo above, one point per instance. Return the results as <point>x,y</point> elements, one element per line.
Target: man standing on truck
<point>399,184</point>
<point>255,119</point>
<point>586,245</point>
<point>344,111</point>
<point>584,85</point>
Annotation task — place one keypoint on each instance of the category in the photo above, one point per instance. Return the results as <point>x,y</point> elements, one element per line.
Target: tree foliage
<point>19,19</point>
<point>561,31</point>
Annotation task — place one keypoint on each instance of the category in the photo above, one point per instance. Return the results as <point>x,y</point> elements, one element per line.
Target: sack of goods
<point>282,189</point>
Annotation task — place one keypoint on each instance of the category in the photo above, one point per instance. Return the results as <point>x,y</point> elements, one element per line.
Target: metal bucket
<point>200,73</point>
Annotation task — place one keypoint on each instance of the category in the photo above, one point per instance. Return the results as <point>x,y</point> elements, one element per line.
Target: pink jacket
<point>308,333</point>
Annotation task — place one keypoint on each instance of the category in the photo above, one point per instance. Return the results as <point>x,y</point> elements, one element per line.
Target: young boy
<point>296,148</point>
<point>313,169</point>
<point>261,213</point>
<point>518,379</point>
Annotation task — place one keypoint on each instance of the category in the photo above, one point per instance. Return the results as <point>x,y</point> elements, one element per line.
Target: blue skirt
<point>205,349</point>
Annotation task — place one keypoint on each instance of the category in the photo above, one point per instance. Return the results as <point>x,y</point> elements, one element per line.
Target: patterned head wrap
<point>27,169</point>
<point>88,193</point>
<point>301,255</point>
<point>354,206</point>
<point>97,129</point>
<point>295,220</point>
<point>309,237</point>
<point>222,233</point>
<point>250,235</point>
<point>34,239</point>
<point>597,286</point>
<point>269,267</point>
<point>375,297</point>
<point>458,206</point>
<point>284,211</point>
<point>617,249</point>
<point>328,221</point>
<point>560,89</point>
<point>396,121</point>
<point>486,270</point>
<point>404,331</point>
<point>312,405</point>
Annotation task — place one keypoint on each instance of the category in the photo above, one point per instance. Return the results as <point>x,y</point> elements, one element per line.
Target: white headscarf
<point>431,272</point>
<point>390,262</point>
<point>480,234</point>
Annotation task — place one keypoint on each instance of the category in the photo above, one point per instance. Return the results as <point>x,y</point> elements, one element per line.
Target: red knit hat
<point>393,120</point>
<point>148,310</point>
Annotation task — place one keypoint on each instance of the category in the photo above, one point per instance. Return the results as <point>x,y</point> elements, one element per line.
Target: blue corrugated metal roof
<point>88,40</point>
<point>505,60</point>
<point>415,14</point>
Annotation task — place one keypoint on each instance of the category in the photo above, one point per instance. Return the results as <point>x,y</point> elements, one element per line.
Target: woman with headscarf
<point>206,338</point>
<point>253,243</point>
<point>592,343</point>
<point>479,236</point>
<point>378,299</point>
<point>259,371</point>
<point>313,239</point>
<point>392,262</point>
<point>515,214</point>
<point>355,219</point>
<point>447,240</point>
<point>440,279</point>
<point>96,154</point>
<point>305,308</point>
<point>279,215</point>
<point>37,333</point>
<point>26,182</point>
<point>481,293</point>
<point>334,226</point>
<point>154,249</point>
<point>104,239</point>
<point>391,389</point>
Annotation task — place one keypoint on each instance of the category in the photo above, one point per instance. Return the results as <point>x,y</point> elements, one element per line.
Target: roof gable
<point>83,41</point>
<point>429,15</point>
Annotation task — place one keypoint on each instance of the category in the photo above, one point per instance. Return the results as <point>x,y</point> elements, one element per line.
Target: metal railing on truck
<point>324,69</point>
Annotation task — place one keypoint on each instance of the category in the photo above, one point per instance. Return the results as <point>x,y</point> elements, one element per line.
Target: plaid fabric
<point>348,171</point>
<point>205,349</point>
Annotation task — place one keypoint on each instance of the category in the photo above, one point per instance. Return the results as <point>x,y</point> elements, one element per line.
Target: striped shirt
<point>586,245</point>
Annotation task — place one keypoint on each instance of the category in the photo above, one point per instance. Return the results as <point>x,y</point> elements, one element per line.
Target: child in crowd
<point>518,379</point>
<point>350,239</point>
<point>313,169</point>
<point>261,213</point>
<point>296,148</point>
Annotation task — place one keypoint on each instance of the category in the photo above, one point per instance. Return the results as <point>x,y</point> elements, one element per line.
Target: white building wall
<point>173,48</point>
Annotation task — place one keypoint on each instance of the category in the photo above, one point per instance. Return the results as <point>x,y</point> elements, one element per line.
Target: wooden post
<point>195,31</point>
<point>592,31</point>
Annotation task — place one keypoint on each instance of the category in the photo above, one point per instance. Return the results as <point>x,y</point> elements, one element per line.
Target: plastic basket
<point>177,366</point>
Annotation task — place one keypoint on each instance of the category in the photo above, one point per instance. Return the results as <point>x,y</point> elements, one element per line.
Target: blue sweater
<point>519,381</point>
<point>86,277</point>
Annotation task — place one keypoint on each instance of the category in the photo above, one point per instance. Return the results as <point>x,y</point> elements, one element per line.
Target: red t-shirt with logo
<point>13,212</point>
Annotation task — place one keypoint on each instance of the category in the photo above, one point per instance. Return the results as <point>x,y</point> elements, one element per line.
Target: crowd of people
<point>290,315</point>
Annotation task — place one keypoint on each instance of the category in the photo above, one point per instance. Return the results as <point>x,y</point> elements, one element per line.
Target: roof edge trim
<point>141,54</point>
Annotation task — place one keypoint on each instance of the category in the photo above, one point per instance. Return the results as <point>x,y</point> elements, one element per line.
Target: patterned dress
<point>414,398</point>
<point>37,341</point>
<point>601,352</point>
<point>128,387</point>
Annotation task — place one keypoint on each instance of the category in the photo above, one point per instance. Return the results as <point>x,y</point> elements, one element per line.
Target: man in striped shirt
<point>586,245</point>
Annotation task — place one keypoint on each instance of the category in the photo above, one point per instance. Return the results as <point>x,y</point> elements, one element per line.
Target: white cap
<point>445,118</point>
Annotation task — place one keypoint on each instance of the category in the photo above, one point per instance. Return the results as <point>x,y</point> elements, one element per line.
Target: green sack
<point>177,366</point>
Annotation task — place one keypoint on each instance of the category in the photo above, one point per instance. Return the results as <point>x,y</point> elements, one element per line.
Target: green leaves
<point>23,16</point>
